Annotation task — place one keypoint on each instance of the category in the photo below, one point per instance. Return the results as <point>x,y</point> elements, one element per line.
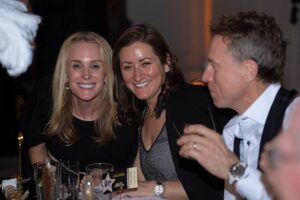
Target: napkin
<point>9,189</point>
<point>6,182</point>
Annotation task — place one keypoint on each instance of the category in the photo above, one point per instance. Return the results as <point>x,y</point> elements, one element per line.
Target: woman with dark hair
<point>150,89</point>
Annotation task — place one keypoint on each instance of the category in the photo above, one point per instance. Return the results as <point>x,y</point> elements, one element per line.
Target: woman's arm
<point>137,164</point>
<point>173,189</point>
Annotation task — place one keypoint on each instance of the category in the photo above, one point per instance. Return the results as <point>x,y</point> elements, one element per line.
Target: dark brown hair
<point>128,106</point>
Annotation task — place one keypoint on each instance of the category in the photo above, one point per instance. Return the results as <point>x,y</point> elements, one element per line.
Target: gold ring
<point>194,145</point>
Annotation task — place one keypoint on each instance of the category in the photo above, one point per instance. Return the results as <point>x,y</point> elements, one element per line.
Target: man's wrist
<point>230,162</point>
<point>236,171</point>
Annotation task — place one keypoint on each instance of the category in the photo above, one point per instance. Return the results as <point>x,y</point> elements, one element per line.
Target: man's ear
<point>249,69</point>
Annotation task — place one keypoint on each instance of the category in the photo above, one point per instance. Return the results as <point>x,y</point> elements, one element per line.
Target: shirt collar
<point>260,108</point>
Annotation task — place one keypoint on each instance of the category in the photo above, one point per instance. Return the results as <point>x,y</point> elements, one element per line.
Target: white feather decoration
<point>17,31</point>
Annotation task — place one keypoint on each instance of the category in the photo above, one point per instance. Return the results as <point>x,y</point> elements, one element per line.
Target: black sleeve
<point>190,105</point>
<point>124,147</point>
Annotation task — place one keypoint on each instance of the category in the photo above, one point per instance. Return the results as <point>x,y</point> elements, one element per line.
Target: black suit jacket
<point>192,105</point>
<point>276,115</point>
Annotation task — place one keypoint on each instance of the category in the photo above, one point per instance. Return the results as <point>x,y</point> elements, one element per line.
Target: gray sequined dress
<point>157,163</point>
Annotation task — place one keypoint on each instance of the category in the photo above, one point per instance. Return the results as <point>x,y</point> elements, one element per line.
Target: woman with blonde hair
<point>83,125</point>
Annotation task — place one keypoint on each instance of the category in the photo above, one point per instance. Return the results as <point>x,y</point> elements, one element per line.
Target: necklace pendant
<point>149,114</point>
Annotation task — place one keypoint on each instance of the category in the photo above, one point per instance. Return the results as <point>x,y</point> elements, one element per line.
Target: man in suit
<point>245,68</point>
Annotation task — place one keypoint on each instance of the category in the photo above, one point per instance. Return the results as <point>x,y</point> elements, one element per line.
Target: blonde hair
<point>61,121</point>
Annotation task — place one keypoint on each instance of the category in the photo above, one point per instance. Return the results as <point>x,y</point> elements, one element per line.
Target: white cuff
<point>249,186</point>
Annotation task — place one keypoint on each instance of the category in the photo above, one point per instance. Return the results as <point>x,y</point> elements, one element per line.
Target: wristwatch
<point>159,189</point>
<point>236,171</point>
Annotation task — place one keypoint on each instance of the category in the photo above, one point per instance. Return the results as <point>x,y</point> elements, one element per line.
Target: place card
<point>119,180</point>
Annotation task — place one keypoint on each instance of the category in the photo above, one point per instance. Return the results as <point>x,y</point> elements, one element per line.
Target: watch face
<point>236,172</point>
<point>159,190</point>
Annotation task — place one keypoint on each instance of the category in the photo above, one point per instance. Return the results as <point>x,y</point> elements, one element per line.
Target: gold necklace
<point>149,114</point>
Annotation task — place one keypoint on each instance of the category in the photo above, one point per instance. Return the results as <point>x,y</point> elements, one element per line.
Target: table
<point>30,186</point>
<point>138,198</point>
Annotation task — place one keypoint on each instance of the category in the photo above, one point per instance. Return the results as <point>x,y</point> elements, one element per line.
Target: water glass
<point>45,179</point>
<point>68,180</point>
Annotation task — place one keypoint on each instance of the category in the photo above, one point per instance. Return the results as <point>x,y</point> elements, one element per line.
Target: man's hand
<point>208,148</point>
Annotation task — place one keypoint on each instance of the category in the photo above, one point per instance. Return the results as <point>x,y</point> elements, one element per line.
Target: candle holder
<point>20,177</point>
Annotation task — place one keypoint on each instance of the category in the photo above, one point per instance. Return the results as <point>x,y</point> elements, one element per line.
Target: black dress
<point>119,152</point>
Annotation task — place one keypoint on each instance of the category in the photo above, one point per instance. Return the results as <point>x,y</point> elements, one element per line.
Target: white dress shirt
<point>250,185</point>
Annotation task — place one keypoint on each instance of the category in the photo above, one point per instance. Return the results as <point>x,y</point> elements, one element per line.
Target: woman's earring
<point>67,85</point>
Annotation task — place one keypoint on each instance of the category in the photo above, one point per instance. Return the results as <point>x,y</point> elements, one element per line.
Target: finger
<point>191,151</point>
<point>189,145</point>
<point>191,139</point>
<point>184,139</point>
<point>200,130</point>
<point>192,142</point>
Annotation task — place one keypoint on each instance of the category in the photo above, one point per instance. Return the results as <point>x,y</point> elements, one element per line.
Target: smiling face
<point>142,71</point>
<point>85,71</point>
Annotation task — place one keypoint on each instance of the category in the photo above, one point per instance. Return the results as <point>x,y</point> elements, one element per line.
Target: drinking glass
<point>94,184</point>
<point>68,180</point>
<point>45,179</point>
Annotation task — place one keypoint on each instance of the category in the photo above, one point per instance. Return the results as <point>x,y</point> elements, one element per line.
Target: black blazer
<point>192,104</point>
<point>275,116</point>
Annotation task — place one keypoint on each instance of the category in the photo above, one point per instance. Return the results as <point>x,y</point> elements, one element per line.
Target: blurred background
<point>184,24</point>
